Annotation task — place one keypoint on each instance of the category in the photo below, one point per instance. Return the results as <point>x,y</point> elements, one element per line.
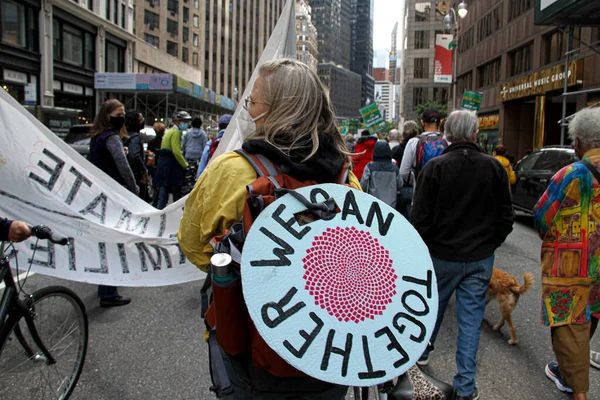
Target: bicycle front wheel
<point>62,324</point>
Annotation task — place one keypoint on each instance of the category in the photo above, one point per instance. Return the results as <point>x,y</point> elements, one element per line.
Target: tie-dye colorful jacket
<point>567,217</point>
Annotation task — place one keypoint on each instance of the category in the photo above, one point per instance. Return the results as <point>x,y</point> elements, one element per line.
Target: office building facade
<point>222,40</point>
<point>519,69</point>
<point>422,21</point>
<point>361,47</point>
<point>344,90</point>
<point>306,36</point>
<point>53,49</point>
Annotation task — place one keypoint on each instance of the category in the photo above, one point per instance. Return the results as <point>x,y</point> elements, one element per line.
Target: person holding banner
<point>108,154</point>
<point>171,166</point>
<point>13,231</point>
<point>295,130</point>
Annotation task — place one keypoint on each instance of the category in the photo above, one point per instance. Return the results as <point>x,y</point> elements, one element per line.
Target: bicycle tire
<point>24,377</point>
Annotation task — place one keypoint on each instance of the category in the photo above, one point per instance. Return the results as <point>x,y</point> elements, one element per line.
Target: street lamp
<point>451,22</point>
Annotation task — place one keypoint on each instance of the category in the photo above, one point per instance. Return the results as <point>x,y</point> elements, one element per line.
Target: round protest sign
<point>350,300</point>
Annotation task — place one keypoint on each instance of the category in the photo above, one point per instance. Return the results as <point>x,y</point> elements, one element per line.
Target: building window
<point>116,11</point>
<point>490,23</point>
<point>521,60</point>
<point>489,74</point>
<point>115,58</point>
<point>123,14</point>
<point>421,39</point>
<point>195,39</point>
<point>464,82</point>
<point>196,21</point>
<point>186,34</point>
<point>421,68</point>
<point>73,45</point>
<point>419,97</point>
<point>186,14</point>
<point>18,25</point>
<point>173,6</point>
<point>441,9</point>
<point>440,94</point>
<point>107,10</point>
<point>195,59</point>
<point>172,48</point>
<point>196,4</point>
<point>422,11</point>
<point>518,8</point>
<point>151,39</point>
<point>465,41</point>
<point>555,45</point>
<point>151,19</point>
<point>172,27</point>
<point>153,3</point>
<point>90,5</point>
<point>184,54</point>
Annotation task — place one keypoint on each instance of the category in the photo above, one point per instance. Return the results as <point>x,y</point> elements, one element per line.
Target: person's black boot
<point>114,301</point>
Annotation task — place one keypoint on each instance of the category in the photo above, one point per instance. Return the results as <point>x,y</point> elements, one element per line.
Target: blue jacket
<point>204,161</point>
<point>193,143</point>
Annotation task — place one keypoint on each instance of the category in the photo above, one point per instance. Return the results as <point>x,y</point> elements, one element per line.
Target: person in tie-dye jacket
<point>567,217</point>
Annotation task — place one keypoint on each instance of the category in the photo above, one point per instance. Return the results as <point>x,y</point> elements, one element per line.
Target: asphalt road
<point>153,348</point>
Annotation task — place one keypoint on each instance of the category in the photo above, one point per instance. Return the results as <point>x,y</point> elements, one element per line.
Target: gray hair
<point>394,135</point>
<point>299,109</point>
<point>410,129</point>
<point>585,126</point>
<point>461,126</point>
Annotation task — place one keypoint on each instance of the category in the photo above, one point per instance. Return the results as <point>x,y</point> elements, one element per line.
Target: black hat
<point>182,116</point>
<point>431,116</point>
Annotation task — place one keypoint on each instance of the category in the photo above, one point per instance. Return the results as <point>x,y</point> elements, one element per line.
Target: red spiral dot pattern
<point>349,274</point>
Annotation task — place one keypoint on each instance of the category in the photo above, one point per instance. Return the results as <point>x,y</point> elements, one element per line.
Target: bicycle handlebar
<point>43,232</point>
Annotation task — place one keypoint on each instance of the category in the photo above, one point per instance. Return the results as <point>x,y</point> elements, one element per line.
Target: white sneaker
<point>595,359</point>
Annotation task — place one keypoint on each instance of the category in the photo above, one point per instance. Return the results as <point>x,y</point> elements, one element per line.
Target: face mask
<point>183,126</point>
<point>117,122</point>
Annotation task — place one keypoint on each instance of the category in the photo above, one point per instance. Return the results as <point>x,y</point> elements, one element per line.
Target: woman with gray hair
<point>296,132</point>
<point>570,286</point>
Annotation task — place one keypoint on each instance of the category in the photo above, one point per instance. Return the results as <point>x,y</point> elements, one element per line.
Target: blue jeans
<point>470,280</point>
<point>163,195</point>
<point>107,292</point>
<point>404,202</point>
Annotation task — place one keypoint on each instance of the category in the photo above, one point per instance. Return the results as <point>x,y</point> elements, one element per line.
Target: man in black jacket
<point>462,209</point>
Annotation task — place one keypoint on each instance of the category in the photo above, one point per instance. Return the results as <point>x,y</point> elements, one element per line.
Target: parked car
<point>534,173</point>
<point>79,138</point>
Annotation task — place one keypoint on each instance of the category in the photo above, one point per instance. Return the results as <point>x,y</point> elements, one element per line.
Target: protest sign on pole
<point>443,59</point>
<point>115,238</point>
<point>471,100</point>
<point>372,118</point>
<point>340,298</point>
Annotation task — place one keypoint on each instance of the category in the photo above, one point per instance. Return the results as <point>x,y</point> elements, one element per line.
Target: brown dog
<point>506,289</point>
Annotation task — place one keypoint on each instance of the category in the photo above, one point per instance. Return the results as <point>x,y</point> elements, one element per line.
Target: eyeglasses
<point>248,100</point>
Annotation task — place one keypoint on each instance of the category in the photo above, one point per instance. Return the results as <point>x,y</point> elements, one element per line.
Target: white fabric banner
<point>115,237</point>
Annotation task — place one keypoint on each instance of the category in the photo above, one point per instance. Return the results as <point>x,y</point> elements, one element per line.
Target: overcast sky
<point>387,12</point>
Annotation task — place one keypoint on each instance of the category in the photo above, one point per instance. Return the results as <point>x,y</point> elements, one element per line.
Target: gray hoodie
<point>381,177</point>
<point>193,144</point>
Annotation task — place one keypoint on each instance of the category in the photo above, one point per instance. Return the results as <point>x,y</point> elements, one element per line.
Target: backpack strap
<point>592,169</point>
<point>343,176</point>
<point>262,165</point>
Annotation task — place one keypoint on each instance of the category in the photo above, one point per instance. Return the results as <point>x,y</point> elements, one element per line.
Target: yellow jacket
<point>216,203</point>
<point>512,178</point>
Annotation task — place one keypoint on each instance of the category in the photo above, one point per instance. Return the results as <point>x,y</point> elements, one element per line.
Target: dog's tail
<point>528,282</point>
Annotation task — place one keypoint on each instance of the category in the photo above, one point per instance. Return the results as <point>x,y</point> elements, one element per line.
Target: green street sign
<point>471,100</point>
<point>372,118</point>
<point>353,126</point>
